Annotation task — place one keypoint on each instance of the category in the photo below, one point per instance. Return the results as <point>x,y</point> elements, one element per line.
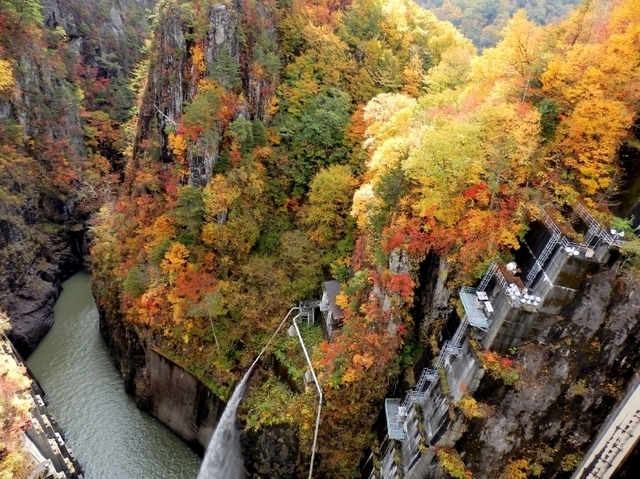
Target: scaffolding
<point>491,270</point>
<point>557,238</point>
<point>308,311</point>
<point>595,232</point>
<point>396,411</point>
<point>453,347</point>
<point>544,256</point>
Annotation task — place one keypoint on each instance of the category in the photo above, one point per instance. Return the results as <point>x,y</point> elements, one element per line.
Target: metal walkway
<point>396,411</point>
<point>595,232</point>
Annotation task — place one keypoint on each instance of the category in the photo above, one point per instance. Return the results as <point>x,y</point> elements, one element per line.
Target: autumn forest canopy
<point>313,140</point>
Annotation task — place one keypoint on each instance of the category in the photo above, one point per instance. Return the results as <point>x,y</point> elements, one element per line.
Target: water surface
<point>111,438</point>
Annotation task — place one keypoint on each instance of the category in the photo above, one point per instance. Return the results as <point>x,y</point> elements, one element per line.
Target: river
<point>111,438</point>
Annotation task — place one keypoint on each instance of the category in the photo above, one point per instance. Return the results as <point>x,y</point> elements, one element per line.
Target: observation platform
<point>395,418</point>
<point>477,307</point>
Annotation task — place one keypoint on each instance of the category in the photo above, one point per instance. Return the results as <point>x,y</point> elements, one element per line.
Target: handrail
<point>315,380</point>
<point>487,276</point>
<point>448,348</point>
<point>608,238</point>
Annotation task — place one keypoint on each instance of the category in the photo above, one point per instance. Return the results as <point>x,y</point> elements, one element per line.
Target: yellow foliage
<point>342,301</point>
<point>178,145</point>
<point>453,464</point>
<point>6,76</point>
<point>175,259</point>
<point>349,376</point>
<point>516,469</point>
<point>13,373</point>
<point>15,465</point>
<point>14,407</point>
<point>505,71</point>
<point>271,109</point>
<point>161,229</point>
<point>218,197</point>
<point>412,77</point>
<point>469,407</point>
<point>366,360</point>
<point>197,56</point>
<point>453,71</point>
<point>590,138</point>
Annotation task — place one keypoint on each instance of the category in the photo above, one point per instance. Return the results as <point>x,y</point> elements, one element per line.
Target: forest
<point>482,21</point>
<point>240,168</point>
<point>379,129</point>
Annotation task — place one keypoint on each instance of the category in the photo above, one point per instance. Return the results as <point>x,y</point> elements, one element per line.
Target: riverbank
<point>35,442</point>
<point>110,436</point>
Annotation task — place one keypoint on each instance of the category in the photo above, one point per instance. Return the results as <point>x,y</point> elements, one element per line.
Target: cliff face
<point>192,43</point>
<point>169,392</point>
<point>187,49</point>
<point>571,378</point>
<point>42,141</point>
<point>50,177</point>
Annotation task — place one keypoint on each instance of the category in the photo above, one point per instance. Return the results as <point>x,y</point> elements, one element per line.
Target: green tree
<point>225,71</point>
<point>188,212</point>
<point>22,12</point>
<point>330,194</point>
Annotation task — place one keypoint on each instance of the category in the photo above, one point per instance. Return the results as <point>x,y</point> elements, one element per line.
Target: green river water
<point>111,438</point>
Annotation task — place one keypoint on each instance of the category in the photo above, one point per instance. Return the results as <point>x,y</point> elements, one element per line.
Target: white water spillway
<point>223,458</point>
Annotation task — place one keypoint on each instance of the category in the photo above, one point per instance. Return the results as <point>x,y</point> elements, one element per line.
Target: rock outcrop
<point>38,221</point>
<point>571,379</point>
<point>272,453</point>
<point>42,221</point>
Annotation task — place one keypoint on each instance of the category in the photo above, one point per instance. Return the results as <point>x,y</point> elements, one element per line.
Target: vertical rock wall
<point>172,80</point>
<point>42,226</point>
<point>570,380</point>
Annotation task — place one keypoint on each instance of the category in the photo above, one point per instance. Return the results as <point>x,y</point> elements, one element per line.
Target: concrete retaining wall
<point>181,402</point>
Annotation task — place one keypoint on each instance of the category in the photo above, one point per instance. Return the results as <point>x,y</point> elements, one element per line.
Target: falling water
<point>223,459</point>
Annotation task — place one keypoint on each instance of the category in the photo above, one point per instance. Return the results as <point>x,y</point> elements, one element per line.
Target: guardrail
<point>595,228</point>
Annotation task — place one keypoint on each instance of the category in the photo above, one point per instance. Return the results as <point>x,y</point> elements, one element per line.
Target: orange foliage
<point>178,146</point>
<point>400,284</point>
<point>176,259</point>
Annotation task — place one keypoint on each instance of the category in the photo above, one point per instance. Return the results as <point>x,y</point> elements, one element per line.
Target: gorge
<point>217,164</point>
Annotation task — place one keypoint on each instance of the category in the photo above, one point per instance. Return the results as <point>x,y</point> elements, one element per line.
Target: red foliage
<point>506,362</point>
<point>359,253</point>
<point>192,285</point>
<point>235,156</point>
<point>396,239</point>
<point>412,235</point>
<point>228,108</point>
<point>473,191</point>
<point>400,284</point>
<point>170,182</point>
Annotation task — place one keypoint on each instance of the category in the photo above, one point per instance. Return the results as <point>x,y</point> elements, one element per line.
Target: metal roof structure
<point>332,289</point>
<point>473,309</point>
<point>395,419</point>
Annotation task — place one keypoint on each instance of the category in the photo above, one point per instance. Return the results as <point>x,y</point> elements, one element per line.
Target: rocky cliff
<point>571,378</point>
<point>43,139</point>
<point>50,176</point>
<point>192,44</point>
<point>192,259</point>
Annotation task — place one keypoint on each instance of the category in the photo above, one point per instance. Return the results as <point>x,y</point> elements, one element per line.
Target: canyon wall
<point>60,56</point>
